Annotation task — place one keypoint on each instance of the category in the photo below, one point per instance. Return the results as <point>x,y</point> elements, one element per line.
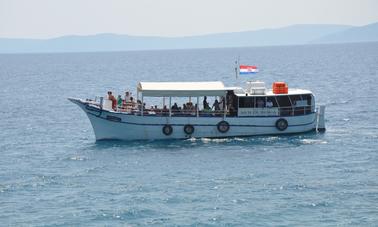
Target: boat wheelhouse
<point>253,110</point>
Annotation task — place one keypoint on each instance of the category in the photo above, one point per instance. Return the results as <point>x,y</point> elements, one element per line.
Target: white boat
<point>254,110</point>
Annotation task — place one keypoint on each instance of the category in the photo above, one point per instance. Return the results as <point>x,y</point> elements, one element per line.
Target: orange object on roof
<point>280,88</point>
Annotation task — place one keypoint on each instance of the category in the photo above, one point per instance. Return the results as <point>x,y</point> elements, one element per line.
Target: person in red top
<point>113,99</point>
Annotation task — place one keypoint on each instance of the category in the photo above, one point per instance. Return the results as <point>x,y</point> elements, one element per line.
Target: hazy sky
<point>51,18</point>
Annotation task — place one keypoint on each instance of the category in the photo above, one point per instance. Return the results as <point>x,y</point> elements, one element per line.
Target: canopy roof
<point>182,89</point>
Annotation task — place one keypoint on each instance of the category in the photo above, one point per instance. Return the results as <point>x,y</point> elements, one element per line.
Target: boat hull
<point>120,126</point>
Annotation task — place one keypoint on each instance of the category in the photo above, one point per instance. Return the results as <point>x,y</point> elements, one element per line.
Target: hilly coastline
<point>291,35</point>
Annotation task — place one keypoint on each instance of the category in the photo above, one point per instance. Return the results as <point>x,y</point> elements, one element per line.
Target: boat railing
<point>134,109</point>
<point>179,113</point>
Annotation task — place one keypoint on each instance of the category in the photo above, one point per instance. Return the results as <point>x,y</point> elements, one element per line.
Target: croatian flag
<point>248,69</point>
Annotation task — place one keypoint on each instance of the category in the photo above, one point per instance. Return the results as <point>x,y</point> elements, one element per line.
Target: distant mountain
<point>368,33</point>
<point>292,35</point>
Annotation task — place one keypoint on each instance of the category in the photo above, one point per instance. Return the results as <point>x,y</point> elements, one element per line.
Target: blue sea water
<point>53,173</point>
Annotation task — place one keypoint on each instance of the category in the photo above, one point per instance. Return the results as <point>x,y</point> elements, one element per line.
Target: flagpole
<point>236,70</point>
<point>237,65</point>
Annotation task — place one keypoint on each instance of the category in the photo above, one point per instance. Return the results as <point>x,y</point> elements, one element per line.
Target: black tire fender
<point>281,124</point>
<point>223,126</point>
<point>189,129</point>
<point>167,130</point>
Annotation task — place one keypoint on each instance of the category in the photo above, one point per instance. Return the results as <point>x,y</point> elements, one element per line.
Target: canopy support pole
<point>225,107</point>
<point>197,110</point>
<point>170,104</point>
<point>141,108</point>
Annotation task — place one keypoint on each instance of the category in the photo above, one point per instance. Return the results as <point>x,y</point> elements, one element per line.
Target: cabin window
<point>295,99</point>
<point>246,102</point>
<point>308,98</point>
<point>260,102</point>
<point>285,105</point>
<point>283,101</point>
<point>298,104</point>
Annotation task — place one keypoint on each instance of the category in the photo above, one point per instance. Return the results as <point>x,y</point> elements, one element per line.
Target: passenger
<point>132,102</point>
<point>269,104</point>
<point>119,101</point>
<point>222,103</point>
<point>189,106</point>
<point>175,107</point>
<point>113,99</point>
<point>127,96</point>
<point>152,110</point>
<point>205,103</point>
<point>165,109</point>
<point>260,103</point>
<point>216,105</point>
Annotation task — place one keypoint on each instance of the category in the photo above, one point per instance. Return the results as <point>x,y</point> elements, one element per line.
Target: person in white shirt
<point>127,96</point>
<point>269,104</point>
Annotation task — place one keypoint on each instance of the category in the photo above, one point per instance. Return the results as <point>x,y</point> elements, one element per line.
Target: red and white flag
<point>248,69</point>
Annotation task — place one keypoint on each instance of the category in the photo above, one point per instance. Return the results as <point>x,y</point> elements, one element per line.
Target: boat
<point>249,111</point>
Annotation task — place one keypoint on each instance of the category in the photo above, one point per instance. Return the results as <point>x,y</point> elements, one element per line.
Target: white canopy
<point>181,89</point>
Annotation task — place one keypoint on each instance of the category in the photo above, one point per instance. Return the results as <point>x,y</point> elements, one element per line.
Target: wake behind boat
<point>249,111</point>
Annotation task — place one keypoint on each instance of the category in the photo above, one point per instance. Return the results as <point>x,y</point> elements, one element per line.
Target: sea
<point>54,173</point>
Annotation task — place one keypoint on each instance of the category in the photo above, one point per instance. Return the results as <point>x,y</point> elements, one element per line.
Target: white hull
<point>132,127</point>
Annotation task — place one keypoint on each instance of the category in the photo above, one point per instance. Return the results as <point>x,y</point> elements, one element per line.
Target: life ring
<point>281,124</point>
<point>167,130</point>
<point>223,126</point>
<point>188,129</point>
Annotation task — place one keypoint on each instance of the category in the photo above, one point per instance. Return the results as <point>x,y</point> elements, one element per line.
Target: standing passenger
<point>119,101</point>
<point>127,96</point>
<point>216,105</point>
<point>113,99</point>
<point>205,103</point>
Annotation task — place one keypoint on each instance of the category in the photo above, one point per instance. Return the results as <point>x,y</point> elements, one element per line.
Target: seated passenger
<point>175,107</point>
<point>189,106</point>
<point>260,103</point>
<point>269,104</point>
<point>151,110</point>
<point>139,105</point>
<point>165,109</point>
<point>132,102</point>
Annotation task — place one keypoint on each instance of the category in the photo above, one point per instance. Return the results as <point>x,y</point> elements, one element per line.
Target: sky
<point>173,18</point>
